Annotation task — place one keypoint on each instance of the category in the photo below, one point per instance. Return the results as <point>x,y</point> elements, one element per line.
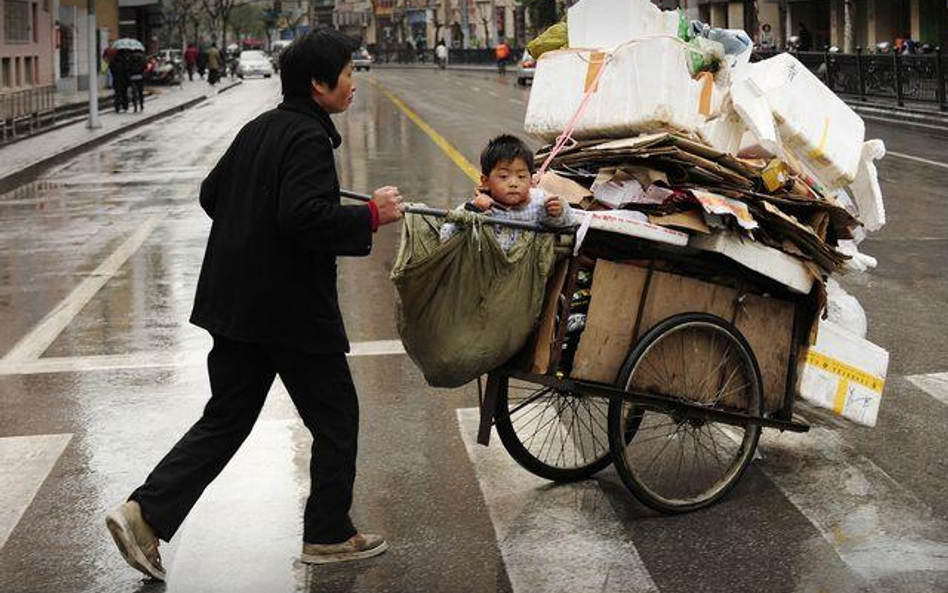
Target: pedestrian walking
<point>201,61</point>
<point>803,35</point>
<point>441,54</point>
<point>118,67</point>
<point>137,63</point>
<point>107,56</point>
<point>767,41</point>
<point>502,53</point>
<point>214,64</point>
<point>267,294</point>
<point>190,60</point>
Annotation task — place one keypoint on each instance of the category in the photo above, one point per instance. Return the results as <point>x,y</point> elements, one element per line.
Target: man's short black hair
<point>502,149</point>
<point>319,55</point>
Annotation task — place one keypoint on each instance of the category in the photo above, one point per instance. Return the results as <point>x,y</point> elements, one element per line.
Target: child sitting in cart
<point>505,193</point>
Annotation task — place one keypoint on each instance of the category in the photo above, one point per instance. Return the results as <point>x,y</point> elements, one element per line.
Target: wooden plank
<point>547,328</point>
<point>768,326</point>
<point>610,322</point>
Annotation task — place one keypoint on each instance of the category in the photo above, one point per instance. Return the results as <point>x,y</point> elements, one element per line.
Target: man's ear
<point>484,180</point>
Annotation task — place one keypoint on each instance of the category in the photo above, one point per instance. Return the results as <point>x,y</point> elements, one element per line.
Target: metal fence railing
<point>25,110</point>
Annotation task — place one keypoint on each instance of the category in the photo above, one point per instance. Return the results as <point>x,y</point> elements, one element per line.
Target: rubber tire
<point>617,444</point>
<point>523,457</point>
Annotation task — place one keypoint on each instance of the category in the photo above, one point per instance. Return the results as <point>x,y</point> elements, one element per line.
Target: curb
<point>28,173</point>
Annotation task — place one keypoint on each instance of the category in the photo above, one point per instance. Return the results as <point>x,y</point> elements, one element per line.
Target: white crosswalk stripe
<point>536,521</point>
<point>935,385</point>
<point>888,538</point>
<point>24,464</point>
<point>878,528</point>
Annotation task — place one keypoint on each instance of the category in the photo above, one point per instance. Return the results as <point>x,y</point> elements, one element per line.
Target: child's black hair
<point>505,148</point>
<point>319,55</point>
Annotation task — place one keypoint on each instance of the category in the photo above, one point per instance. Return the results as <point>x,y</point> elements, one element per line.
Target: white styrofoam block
<point>724,133</point>
<point>608,23</point>
<point>844,373</point>
<point>645,87</point>
<point>815,126</point>
<point>770,262</point>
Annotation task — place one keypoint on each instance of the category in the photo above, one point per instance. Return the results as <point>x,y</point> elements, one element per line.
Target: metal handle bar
<point>441,213</point>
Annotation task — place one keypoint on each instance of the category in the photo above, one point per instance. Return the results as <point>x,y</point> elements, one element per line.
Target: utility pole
<point>93,72</point>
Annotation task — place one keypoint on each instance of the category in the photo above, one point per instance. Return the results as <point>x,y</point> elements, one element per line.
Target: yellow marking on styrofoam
<point>839,401</point>
<point>704,104</point>
<point>817,153</point>
<point>845,371</point>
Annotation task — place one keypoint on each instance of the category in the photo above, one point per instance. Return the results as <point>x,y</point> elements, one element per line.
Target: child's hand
<point>483,202</point>
<point>554,207</point>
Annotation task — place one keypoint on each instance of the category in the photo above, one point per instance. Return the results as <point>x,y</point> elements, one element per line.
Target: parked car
<point>361,59</point>
<point>172,56</point>
<point>525,69</point>
<point>254,63</point>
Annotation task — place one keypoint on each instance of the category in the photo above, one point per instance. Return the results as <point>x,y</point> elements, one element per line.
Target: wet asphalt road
<point>91,397</point>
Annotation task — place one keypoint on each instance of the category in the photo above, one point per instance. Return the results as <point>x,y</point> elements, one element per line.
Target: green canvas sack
<point>465,307</point>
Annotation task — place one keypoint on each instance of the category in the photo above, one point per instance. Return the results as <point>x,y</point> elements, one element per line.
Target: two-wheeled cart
<point>681,416</point>
<point>680,411</point>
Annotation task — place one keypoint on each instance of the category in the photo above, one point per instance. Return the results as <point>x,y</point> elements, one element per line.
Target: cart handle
<point>441,213</point>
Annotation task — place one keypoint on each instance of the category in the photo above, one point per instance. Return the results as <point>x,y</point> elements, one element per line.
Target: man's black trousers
<point>241,374</point>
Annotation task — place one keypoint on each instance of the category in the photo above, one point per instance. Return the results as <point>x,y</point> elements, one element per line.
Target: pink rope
<point>567,135</point>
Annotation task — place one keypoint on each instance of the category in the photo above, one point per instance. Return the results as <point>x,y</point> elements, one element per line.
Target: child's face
<point>338,99</point>
<point>509,183</point>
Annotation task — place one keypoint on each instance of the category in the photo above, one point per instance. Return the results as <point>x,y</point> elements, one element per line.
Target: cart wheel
<point>557,435</point>
<point>675,462</point>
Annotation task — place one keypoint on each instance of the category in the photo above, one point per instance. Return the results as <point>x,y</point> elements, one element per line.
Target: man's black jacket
<point>269,272</point>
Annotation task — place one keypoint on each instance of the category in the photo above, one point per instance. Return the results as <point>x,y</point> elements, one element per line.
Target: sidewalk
<point>24,160</point>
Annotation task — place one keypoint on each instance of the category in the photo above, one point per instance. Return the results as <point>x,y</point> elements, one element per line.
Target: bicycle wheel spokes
<point>676,460</point>
<point>556,434</point>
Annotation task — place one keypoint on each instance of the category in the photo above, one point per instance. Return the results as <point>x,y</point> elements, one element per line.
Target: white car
<point>361,59</point>
<point>254,63</point>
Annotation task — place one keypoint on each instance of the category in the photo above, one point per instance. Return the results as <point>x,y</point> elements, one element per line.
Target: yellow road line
<point>465,165</point>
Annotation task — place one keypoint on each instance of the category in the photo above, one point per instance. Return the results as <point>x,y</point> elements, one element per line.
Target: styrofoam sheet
<point>815,126</point>
<point>646,86</point>
<point>765,260</point>
<point>625,222</point>
<point>844,373</point>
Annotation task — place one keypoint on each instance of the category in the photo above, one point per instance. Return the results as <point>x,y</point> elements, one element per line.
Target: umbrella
<point>129,44</point>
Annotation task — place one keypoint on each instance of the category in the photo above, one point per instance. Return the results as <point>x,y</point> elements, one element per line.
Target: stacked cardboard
<point>760,163</point>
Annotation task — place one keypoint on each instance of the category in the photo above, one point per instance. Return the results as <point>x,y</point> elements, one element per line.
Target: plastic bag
<point>844,309</point>
<point>555,37</point>
<point>465,307</point>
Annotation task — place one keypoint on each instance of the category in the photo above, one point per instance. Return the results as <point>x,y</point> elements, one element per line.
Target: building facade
<point>26,44</point>
<point>71,57</point>
<point>844,24</point>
